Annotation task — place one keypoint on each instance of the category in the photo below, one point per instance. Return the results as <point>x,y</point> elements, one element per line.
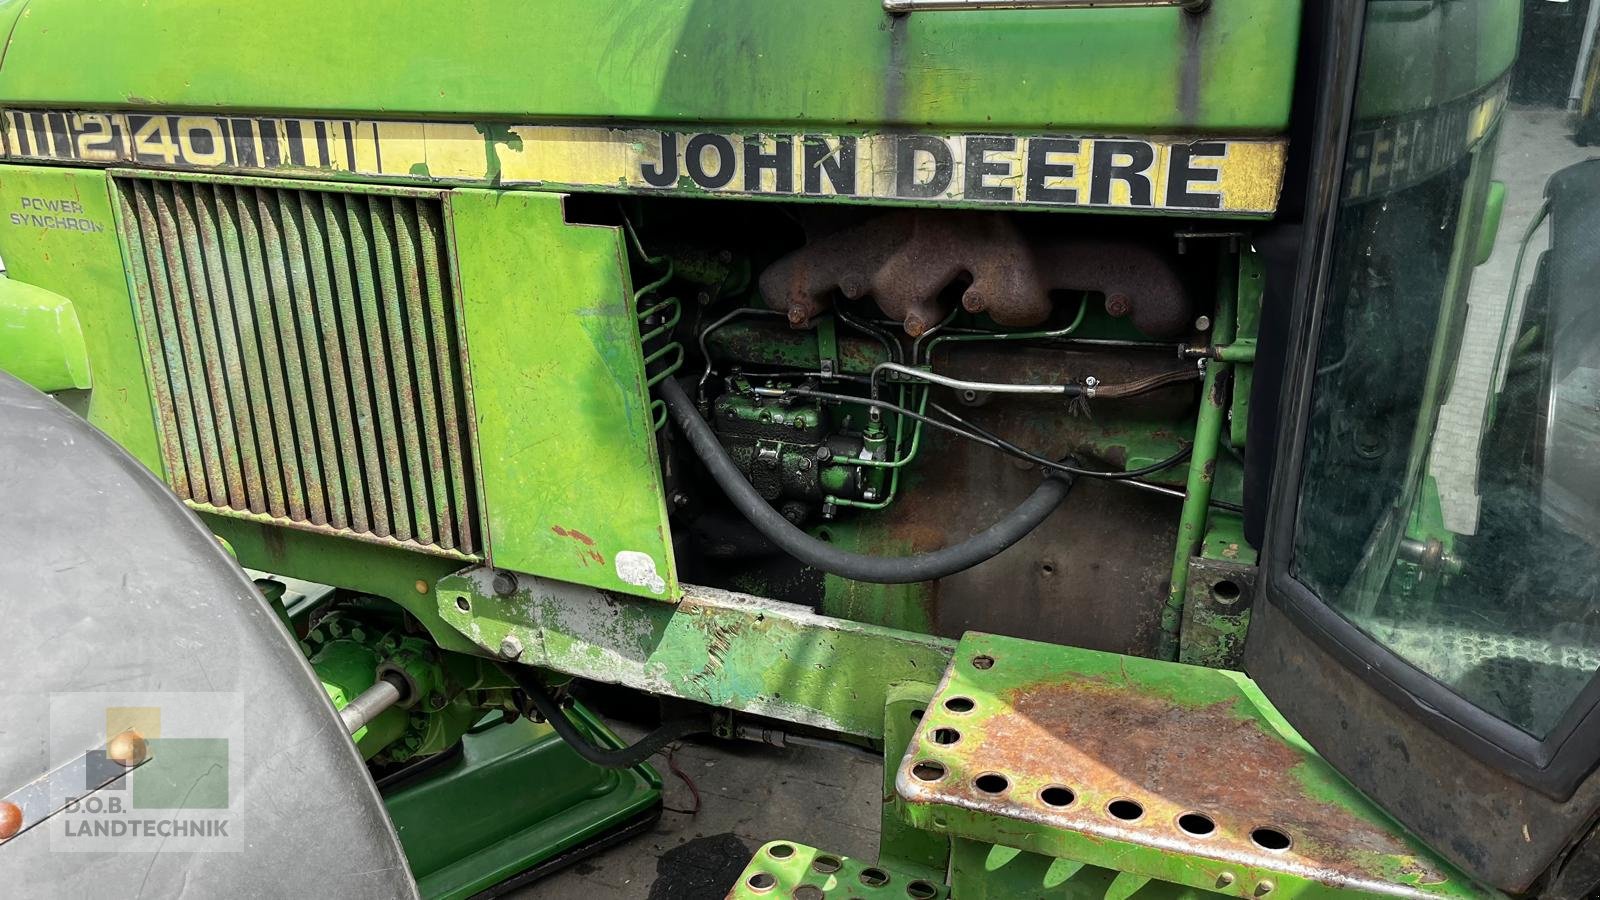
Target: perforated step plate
<point>1180,773</point>
<point>790,871</point>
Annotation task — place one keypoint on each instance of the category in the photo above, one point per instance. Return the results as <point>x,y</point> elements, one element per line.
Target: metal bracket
<point>70,782</point>
<point>1216,613</point>
<point>715,647</point>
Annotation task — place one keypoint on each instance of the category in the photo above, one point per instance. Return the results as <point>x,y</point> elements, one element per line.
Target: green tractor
<point>1164,433</point>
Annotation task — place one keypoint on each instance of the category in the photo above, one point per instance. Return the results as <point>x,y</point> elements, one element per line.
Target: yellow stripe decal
<point>1238,176</point>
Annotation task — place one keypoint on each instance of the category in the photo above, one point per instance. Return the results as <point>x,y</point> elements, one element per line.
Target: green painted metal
<point>900,842</point>
<point>1225,539</point>
<point>723,649</point>
<point>1203,462</point>
<point>403,577</point>
<point>1166,736</point>
<point>571,485</point>
<point>83,262</point>
<point>788,869</point>
<point>1159,70</point>
<point>1242,349</point>
<point>1494,205</point>
<point>1405,65</point>
<point>446,702</point>
<point>983,871</point>
<point>464,833</point>
<point>41,340</point>
<point>1221,588</point>
<point>246,343</point>
<point>346,667</point>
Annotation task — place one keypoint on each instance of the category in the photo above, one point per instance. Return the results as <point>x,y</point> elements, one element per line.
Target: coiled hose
<point>985,545</point>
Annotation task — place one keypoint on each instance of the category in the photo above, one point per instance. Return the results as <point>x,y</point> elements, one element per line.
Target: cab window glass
<point>1450,495</point>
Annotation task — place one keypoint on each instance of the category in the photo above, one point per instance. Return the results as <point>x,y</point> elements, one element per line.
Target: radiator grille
<point>304,356</point>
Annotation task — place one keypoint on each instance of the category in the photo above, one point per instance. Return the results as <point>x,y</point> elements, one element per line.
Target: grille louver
<point>304,356</point>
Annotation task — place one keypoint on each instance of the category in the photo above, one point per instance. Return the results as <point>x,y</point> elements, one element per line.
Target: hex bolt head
<point>505,583</point>
<point>510,647</point>
<point>10,820</point>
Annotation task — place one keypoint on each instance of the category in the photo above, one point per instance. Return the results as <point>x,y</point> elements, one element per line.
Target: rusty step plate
<point>1180,773</point>
<point>785,869</point>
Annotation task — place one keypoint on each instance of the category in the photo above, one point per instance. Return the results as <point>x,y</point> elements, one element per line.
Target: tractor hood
<point>841,63</point>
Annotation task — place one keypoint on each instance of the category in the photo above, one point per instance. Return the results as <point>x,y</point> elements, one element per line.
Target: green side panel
<point>57,233</point>
<point>41,340</point>
<point>460,834</point>
<point>570,482</point>
<point>840,62</point>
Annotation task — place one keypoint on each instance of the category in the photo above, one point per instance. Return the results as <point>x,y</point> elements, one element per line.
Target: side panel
<point>570,482</point>
<point>57,232</point>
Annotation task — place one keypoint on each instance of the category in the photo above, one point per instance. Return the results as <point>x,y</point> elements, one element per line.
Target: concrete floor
<point>749,795</point>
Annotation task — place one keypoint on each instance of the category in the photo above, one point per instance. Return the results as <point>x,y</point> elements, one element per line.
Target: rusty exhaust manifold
<point>905,260</point>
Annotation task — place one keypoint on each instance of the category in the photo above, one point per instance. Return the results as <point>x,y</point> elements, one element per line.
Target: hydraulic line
<point>857,567</point>
<point>1144,385</point>
<point>973,433</point>
<point>656,321</point>
<point>988,387</point>
<point>604,757</point>
<point>1006,446</point>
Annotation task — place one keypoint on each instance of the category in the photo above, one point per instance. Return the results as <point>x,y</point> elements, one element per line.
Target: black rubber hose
<point>819,554</point>
<point>604,757</point>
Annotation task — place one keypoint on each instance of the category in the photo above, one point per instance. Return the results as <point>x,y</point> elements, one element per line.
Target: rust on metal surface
<point>10,820</point>
<point>1111,754</point>
<point>906,260</point>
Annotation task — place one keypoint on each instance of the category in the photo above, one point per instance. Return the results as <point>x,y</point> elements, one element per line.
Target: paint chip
<point>634,567</point>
